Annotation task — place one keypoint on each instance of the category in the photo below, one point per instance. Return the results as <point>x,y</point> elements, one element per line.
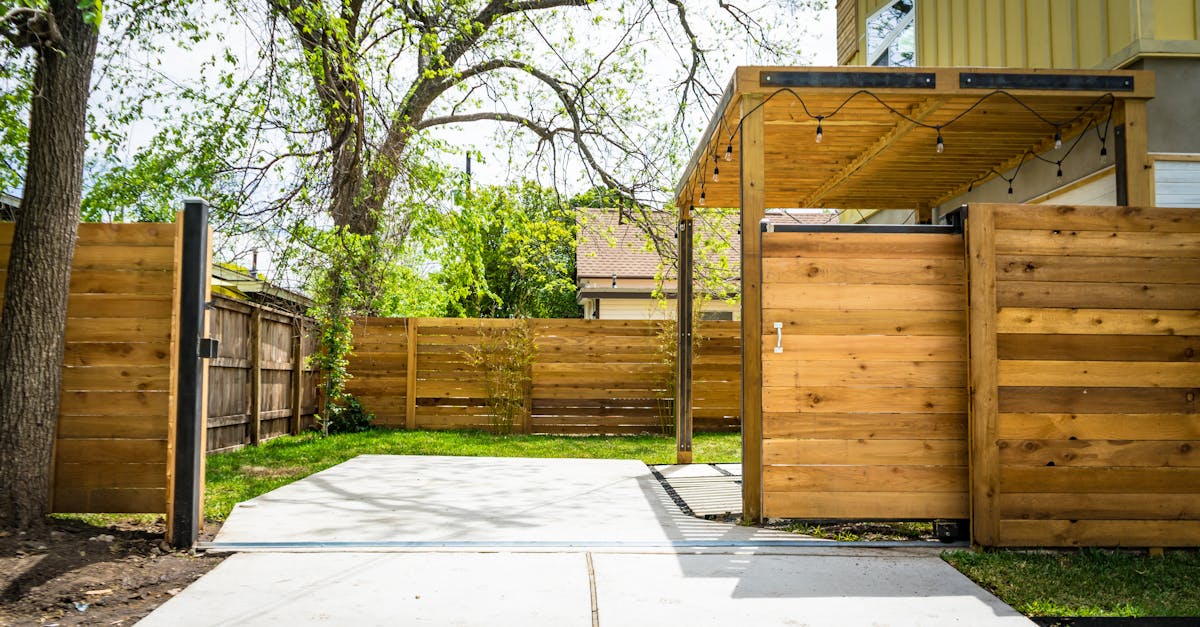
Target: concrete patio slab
<point>293,589</point>
<point>383,540</point>
<point>381,499</point>
<point>723,590</point>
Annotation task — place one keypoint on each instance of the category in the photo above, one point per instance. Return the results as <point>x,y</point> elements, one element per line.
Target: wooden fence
<point>117,407</point>
<point>864,408</point>
<point>1085,366</point>
<point>584,376</point>
<point>259,385</point>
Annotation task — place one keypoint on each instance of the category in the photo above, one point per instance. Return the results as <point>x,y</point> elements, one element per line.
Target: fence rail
<point>583,377</point>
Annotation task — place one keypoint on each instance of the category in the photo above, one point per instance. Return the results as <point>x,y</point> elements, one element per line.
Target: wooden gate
<point>864,358</point>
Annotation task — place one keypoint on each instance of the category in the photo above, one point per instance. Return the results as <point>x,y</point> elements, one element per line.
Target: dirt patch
<point>264,472</point>
<point>78,574</point>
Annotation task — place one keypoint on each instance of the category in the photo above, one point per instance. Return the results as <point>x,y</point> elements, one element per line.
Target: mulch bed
<point>73,573</point>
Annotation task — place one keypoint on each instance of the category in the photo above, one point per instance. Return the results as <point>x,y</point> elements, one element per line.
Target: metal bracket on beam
<point>1056,82</point>
<point>851,80</point>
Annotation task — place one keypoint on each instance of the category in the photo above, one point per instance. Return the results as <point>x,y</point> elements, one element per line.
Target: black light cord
<point>821,117</point>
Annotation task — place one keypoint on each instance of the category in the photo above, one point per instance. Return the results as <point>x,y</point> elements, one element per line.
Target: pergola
<point>880,138</point>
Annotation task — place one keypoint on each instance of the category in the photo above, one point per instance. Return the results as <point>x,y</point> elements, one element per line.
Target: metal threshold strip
<point>564,544</point>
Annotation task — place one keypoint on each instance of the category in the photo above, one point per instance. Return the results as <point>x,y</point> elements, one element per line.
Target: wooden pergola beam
<point>753,193</point>
<point>928,108</point>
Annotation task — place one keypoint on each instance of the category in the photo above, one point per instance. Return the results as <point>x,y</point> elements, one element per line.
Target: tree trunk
<point>33,318</point>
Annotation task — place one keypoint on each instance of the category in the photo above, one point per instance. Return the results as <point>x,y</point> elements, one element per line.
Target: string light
<point>941,145</point>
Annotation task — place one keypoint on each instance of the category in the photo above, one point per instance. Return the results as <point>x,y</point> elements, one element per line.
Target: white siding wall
<point>1177,183</point>
<point>649,308</point>
<point>1101,191</point>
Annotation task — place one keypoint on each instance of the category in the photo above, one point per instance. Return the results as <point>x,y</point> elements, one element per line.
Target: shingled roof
<point>609,246</point>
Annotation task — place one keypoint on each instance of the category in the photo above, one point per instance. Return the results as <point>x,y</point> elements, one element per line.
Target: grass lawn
<point>244,474</point>
<point>1088,582</point>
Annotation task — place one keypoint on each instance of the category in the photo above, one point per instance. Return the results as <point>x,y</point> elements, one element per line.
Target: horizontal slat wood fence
<point>864,410</point>
<point>116,414</point>
<point>585,376</point>
<point>259,385</point>
<point>1085,365</point>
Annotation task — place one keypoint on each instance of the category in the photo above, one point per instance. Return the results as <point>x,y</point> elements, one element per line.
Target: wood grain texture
<point>586,377</point>
<point>865,407</point>
<point>1097,374</point>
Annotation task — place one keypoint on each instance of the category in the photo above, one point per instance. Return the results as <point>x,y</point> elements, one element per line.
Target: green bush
<point>348,417</point>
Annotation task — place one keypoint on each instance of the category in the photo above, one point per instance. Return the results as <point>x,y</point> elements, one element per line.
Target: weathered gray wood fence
<point>259,385</point>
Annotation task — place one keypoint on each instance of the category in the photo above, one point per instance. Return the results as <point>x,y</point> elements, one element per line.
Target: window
<point>716,315</point>
<point>892,35</point>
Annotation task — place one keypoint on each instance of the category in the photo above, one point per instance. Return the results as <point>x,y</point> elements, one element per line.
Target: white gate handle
<point>778,337</point>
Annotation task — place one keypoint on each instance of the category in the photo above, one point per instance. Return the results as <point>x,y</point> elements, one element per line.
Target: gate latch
<point>778,337</point>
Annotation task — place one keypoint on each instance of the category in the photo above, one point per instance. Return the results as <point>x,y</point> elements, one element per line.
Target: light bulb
<point>701,203</point>
<point>1059,176</point>
<point>1057,139</point>
<point>716,174</point>
<point>1103,153</point>
<point>1009,191</point>
<point>941,145</point>
<point>729,152</point>
<point>820,135</point>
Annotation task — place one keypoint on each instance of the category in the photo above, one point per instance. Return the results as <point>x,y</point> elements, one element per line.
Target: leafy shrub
<point>347,417</point>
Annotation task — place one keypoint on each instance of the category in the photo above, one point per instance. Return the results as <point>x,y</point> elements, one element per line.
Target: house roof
<point>608,245</point>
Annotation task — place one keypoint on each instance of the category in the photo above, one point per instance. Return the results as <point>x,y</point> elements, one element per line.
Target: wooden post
<point>255,376</point>
<point>1139,171</point>
<point>924,213</point>
<point>683,351</point>
<point>410,393</point>
<point>984,456</point>
<point>753,171</point>
<point>527,427</point>
<point>297,375</point>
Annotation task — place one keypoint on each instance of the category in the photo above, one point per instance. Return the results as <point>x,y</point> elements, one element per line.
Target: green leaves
<point>93,11</point>
<point>506,252</point>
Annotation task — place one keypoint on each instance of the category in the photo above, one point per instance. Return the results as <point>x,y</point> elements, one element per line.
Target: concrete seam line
<point>592,588</point>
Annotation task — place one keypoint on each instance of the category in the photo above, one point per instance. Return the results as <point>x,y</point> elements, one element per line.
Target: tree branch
<point>26,27</point>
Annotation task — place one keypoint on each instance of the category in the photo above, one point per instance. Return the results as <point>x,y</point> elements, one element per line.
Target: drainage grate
<point>683,506</point>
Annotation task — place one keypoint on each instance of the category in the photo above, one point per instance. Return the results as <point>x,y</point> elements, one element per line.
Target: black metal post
<point>1122,166</point>
<point>683,365</point>
<point>187,517</point>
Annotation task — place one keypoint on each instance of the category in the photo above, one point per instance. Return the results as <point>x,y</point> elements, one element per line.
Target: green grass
<point>864,532</point>
<point>1087,582</point>
<point>249,472</point>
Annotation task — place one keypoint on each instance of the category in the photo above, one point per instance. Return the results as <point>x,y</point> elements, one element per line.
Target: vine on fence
<point>504,359</point>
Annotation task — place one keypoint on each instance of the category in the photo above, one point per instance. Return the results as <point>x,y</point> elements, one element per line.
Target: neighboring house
<point>617,265</point>
<point>8,206</point>
<point>1155,35</point>
<point>241,285</point>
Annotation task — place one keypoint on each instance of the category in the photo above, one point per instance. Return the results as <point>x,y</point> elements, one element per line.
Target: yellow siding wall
<point>1090,34</point>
